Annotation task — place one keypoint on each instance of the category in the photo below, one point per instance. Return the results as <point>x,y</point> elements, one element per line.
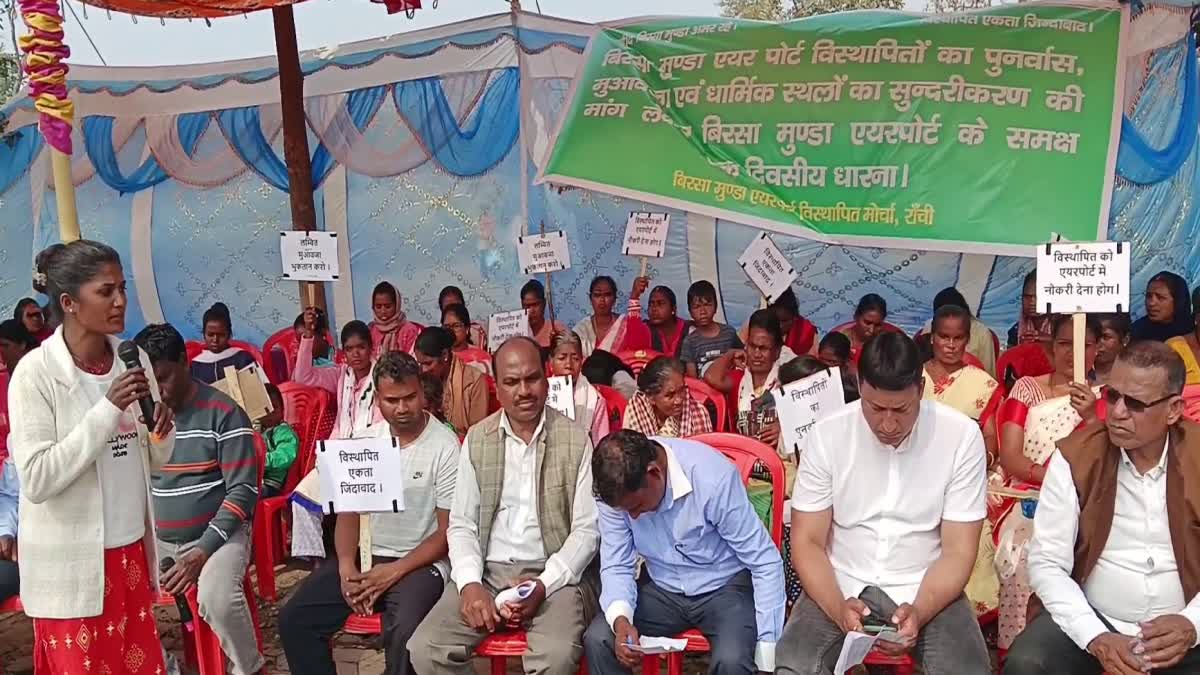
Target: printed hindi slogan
<point>309,256</point>
<point>801,403</point>
<point>361,476</point>
<point>1083,277</point>
<point>991,127</point>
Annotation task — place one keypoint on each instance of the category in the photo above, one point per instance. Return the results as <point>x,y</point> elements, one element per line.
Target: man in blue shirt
<point>10,490</point>
<point>710,563</point>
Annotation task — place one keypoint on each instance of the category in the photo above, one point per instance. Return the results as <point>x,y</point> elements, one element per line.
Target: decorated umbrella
<point>45,56</point>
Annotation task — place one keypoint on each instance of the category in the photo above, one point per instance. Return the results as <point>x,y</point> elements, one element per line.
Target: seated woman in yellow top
<point>1188,346</point>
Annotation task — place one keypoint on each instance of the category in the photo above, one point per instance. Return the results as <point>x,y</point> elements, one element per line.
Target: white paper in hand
<point>659,645</point>
<point>538,253</point>
<point>561,396</point>
<point>854,651</point>
<point>1083,277</point>
<point>646,234</point>
<point>515,594</point>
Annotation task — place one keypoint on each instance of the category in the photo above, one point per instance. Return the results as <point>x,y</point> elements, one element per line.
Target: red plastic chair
<point>637,359</point>
<point>201,647</point>
<point>615,403</point>
<point>497,647</point>
<point>305,408</point>
<point>745,453</point>
<point>705,395</point>
<point>193,349</point>
<point>1027,360</point>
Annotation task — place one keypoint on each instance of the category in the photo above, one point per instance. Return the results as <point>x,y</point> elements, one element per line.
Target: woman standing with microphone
<point>84,456</point>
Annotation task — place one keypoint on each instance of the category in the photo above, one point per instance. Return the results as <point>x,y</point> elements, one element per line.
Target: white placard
<point>646,234</point>
<point>505,325</point>
<point>538,253</point>
<point>1079,278</point>
<point>803,402</point>
<point>309,256</point>
<point>562,396</point>
<point>767,267</point>
<point>365,475</point>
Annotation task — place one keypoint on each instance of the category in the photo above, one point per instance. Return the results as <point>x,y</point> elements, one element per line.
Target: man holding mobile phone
<point>887,509</point>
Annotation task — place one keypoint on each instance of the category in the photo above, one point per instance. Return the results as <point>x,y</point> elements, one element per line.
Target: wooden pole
<point>1079,326</point>
<point>549,293</point>
<point>64,196</point>
<point>295,136</point>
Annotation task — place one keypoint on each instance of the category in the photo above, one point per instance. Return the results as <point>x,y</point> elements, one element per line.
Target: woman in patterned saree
<point>1039,412</point>
<point>971,391</point>
<point>663,406</point>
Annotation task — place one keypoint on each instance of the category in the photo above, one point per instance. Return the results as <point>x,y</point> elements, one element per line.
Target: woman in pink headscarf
<point>391,331</point>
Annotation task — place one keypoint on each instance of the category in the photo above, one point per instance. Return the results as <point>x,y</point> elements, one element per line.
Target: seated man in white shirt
<point>1115,555</point>
<point>888,504</point>
<point>523,509</point>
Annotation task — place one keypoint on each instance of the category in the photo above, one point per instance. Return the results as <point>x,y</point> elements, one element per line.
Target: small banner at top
<point>979,131</point>
<point>1083,278</point>
<point>309,256</point>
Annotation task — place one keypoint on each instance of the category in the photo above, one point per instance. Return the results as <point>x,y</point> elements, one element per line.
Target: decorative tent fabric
<point>181,169</point>
<point>188,9</point>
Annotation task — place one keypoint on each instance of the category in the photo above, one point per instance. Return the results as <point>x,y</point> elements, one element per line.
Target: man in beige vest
<point>1115,555</point>
<point>523,510</point>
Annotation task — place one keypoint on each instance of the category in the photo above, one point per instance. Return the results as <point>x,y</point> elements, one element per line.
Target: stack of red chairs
<point>307,409</point>
<point>615,402</point>
<point>708,397</point>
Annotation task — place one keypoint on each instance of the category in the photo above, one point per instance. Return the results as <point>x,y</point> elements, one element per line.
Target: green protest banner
<point>984,131</point>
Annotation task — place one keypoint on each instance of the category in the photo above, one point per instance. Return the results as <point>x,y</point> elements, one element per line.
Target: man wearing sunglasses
<point>1115,555</point>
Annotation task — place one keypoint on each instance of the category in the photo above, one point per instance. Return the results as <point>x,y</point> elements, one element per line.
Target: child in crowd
<point>834,351</point>
<point>282,446</point>
<point>707,340</point>
<point>209,365</point>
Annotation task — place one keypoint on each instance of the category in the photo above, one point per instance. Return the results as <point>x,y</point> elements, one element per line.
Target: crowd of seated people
<point>915,508</point>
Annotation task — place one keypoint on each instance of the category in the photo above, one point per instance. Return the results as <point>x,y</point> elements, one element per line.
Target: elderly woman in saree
<point>663,406</point>
<point>1039,412</point>
<point>566,359</point>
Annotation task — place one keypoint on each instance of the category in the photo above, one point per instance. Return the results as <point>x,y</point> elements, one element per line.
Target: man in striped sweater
<point>204,498</point>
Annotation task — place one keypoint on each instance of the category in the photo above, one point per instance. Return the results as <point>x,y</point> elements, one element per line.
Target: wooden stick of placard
<point>364,542</point>
<point>1079,327</point>
<point>549,291</point>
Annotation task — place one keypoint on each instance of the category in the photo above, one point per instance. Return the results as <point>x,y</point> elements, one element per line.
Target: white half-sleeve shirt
<point>889,503</point>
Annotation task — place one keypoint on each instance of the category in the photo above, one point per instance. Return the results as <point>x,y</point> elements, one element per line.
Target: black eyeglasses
<point>1132,404</point>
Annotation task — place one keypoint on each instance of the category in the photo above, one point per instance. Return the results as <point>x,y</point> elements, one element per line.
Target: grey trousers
<point>950,644</point>
<point>444,645</point>
<point>222,600</point>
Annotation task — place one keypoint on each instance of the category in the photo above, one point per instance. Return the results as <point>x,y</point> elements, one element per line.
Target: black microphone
<point>185,612</point>
<point>130,355</point>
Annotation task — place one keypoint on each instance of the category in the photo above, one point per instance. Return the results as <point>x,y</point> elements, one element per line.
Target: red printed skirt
<point>122,640</point>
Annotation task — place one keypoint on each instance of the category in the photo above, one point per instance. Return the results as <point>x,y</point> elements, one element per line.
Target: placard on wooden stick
<point>646,236</point>
<point>363,475</point>
<point>505,325</point>
<point>309,256</point>
<point>538,253</point>
<point>767,267</point>
<point>1080,278</point>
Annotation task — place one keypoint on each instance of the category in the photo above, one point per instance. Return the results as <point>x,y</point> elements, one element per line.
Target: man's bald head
<point>521,384</point>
